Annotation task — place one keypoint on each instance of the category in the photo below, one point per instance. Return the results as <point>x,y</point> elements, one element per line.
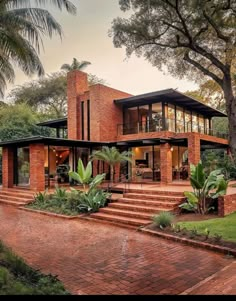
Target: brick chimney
<point>77,85</point>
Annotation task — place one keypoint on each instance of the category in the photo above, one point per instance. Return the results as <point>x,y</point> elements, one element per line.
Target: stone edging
<point>49,213</point>
<point>192,242</point>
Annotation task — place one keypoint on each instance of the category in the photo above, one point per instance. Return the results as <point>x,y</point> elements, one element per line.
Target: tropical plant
<point>76,65</point>
<point>204,188</point>
<point>112,157</point>
<point>92,200</point>
<point>60,195</point>
<point>21,30</point>
<point>163,219</point>
<point>83,174</point>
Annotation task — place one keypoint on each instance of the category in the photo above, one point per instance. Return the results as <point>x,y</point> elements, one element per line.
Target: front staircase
<point>137,207</point>
<point>16,197</point>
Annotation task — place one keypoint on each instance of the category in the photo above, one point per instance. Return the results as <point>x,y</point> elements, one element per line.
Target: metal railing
<point>168,125</point>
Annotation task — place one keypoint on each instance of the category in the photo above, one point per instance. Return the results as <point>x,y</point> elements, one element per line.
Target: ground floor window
<point>22,172</point>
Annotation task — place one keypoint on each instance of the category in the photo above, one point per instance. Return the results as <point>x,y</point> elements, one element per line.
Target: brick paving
<point>94,258</point>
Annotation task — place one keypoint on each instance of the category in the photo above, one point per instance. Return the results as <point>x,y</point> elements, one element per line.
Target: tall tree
<point>47,94</point>
<point>22,27</point>
<point>19,121</point>
<point>188,37</point>
<point>75,65</point>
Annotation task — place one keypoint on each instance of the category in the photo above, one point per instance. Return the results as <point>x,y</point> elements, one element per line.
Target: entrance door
<point>22,171</point>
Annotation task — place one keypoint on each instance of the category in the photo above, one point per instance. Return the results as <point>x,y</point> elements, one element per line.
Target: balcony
<point>169,125</point>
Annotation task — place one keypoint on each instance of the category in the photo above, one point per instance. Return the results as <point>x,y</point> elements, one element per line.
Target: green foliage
<point>41,197</point>
<point>204,187</point>
<point>17,278</point>
<point>226,226</point>
<point>163,219</point>
<point>75,65</point>
<point>60,195</point>
<point>111,156</point>
<point>192,202</point>
<point>92,200</point>
<point>22,28</point>
<point>19,121</point>
<point>83,174</point>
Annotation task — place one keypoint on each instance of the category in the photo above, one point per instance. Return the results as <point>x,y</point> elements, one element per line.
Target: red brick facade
<point>37,173</point>
<point>194,148</point>
<point>226,205</point>
<point>166,163</point>
<point>7,167</point>
<point>77,85</point>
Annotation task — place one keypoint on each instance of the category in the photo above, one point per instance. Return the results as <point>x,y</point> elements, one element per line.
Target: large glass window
<point>170,118</point>
<point>194,122</point>
<point>179,120</point>
<point>156,117</point>
<point>23,166</point>
<point>130,121</point>
<point>201,123</point>
<point>187,120</point>
<point>144,118</point>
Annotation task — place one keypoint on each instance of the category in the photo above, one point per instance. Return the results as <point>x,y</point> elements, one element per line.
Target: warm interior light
<point>172,148</point>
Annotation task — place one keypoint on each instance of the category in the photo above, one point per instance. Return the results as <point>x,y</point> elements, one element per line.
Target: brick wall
<point>7,167</point>
<point>166,163</point>
<point>77,84</point>
<point>194,148</point>
<point>37,173</point>
<point>226,205</point>
<point>104,114</point>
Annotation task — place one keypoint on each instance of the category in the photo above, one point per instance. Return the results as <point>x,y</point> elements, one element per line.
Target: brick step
<point>19,190</point>
<point>12,203</point>
<point>121,219</point>
<point>16,199</point>
<point>123,212</point>
<point>157,197</point>
<point>13,194</point>
<point>154,192</point>
<point>148,202</point>
<point>137,208</point>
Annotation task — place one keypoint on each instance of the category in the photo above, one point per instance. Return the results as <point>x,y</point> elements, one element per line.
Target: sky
<point>86,38</point>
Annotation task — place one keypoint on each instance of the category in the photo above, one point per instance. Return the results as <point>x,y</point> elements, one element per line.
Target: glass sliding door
<point>23,166</point>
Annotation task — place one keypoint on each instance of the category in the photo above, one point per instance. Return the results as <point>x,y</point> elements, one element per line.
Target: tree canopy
<point>19,121</point>
<point>75,65</point>
<point>187,38</point>
<point>47,95</point>
<point>23,24</point>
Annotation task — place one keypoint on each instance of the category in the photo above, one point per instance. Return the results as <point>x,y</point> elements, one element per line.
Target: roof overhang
<point>56,123</point>
<point>171,96</point>
<point>51,141</point>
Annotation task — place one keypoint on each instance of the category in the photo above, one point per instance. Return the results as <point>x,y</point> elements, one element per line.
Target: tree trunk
<point>231,111</point>
<point>112,174</point>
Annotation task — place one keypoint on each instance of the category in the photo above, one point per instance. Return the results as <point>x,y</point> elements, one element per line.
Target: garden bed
<point>207,231</point>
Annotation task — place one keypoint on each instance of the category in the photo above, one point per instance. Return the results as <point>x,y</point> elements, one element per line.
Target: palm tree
<point>76,65</point>
<point>21,30</point>
<point>111,156</point>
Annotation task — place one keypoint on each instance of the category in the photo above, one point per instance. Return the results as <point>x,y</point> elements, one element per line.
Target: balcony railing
<point>169,125</point>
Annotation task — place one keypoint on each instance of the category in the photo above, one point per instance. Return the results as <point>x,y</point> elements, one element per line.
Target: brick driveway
<point>94,258</point>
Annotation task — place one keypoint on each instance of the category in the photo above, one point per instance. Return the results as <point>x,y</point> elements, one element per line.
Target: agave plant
<point>204,187</point>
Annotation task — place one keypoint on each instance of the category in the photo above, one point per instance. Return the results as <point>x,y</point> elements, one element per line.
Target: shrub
<point>92,200</point>
<point>164,219</point>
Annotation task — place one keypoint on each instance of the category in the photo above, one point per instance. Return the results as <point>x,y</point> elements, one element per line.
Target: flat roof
<point>55,123</point>
<point>174,97</point>
<point>51,141</point>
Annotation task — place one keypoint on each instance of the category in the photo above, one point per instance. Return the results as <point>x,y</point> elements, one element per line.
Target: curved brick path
<point>94,258</point>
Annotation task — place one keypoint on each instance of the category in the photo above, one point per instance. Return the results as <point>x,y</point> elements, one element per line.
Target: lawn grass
<point>17,278</point>
<point>225,226</point>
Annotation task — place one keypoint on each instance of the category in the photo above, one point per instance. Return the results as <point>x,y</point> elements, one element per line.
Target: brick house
<point>166,131</point>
